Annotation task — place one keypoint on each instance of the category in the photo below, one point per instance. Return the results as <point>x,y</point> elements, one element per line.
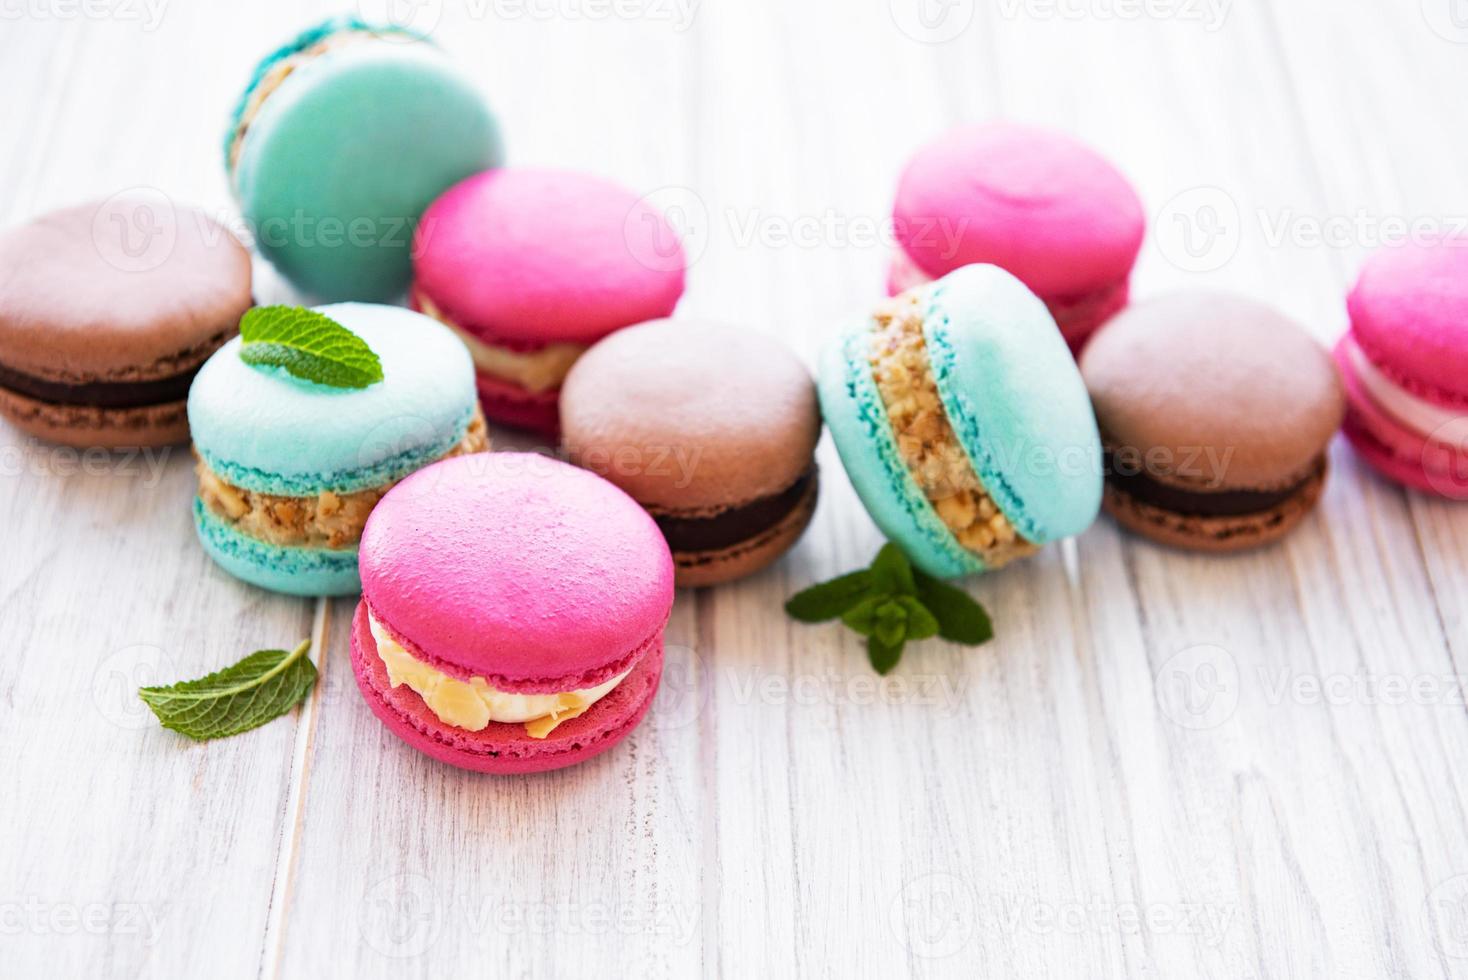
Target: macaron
<point>512,613</point>
<point>340,139</point>
<point>711,428</point>
<point>289,469</point>
<point>1405,365</point>
<point>1216,412</point>
<point>530,267</point>
<point>107,310</point>
<point>1040,204</point>
<point>963,423</point>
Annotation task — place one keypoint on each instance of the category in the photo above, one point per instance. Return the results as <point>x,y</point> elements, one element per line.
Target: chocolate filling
<point>728,528</point>
<point>101,394</point>
<point>1143,487</point>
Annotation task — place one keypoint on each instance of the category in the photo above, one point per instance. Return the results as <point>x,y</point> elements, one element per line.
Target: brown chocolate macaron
<point>107,310</point>
<point>1216,413</point>
<point>711,428</point>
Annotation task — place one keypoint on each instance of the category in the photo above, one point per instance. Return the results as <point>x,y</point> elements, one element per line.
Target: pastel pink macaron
<point>530,267</point>
<point>1039,204</point>
<point>512,612</point>
<point>1405,365</point>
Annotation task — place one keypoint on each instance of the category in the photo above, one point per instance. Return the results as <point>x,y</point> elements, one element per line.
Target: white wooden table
<point>1165,766</point>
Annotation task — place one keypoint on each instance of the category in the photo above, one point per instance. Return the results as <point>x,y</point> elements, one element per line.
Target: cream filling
<point>473,704</point>
<point>1421,416</point>
<point>536,370</point>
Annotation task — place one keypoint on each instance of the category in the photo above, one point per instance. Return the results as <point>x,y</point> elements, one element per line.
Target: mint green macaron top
<point>340,141</point>
<point>1013,398</point>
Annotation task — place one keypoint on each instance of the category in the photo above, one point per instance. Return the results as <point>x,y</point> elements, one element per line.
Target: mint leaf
<point>892,572</point>
<point>921,624</point>
<point>261,687</point>
<point>960,618</point>
<point>884,656</point>
<point>830,599</point>
<point>309,345</point>
<point>863,617</point>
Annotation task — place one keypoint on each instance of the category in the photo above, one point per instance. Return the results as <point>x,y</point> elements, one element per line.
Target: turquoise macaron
<point>340,141</point>
<point>963,423</point>
<point>289,469</point>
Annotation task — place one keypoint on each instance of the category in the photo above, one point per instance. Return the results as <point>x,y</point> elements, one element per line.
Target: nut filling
<point>327,520</point>
<point>926,440</point>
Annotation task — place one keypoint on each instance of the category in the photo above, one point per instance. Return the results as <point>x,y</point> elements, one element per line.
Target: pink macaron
<point>1405,365</point>
<point>512,612</point>
<point>1037,203</point>
<point>530,267</point>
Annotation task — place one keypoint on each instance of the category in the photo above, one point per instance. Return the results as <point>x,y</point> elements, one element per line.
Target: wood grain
<point>1165,765</point>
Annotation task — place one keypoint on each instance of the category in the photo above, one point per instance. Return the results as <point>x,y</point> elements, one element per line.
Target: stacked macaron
<point>1405,363</point>
<point>107,310</point>
<point>1036,203</point>
<point>289,469</point>
<point>530,267</point>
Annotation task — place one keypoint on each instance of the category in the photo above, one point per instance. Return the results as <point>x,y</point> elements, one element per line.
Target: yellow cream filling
<point>534,370</point>
<point>473,704</point>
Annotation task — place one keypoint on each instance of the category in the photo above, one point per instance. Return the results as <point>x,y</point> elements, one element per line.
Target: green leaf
<point>309,345</point>
<point>863,617</point>
<point>892,572</point>
<point>891,624</point>
<point>960,618</point>
<point>830,599</point>
<point>883,656</point>
<point>261,687</point>
<point>921,624</point>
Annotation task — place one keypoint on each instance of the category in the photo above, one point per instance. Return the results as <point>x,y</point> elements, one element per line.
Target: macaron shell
<point>1016,400</point>
<point>524,255</point>
<point>687,415</point>
<point>509,404</point>
<point>517,568</point>
<point>1216,534</point>
<point>1038,203</point>
<point>862,431</point>
<point>106,428</point>
<point>293,571</point>
<point>1409,313</point>
<point>261,429</point>
<point>503,748</point>
<point>1220,389</point>
<point>697,569</point>
<point>363,136</point>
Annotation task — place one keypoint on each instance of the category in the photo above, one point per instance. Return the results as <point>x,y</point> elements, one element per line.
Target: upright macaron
<point>711,428</point>
<point>512,613</point>
<point>1216,412</point>
<point>1037,203</point>
<point>1405,364</point>
<point>289,469</point>
<point>340,140</point>
<point>107,310</point>
<point>529,267</point>
<point>962,421</point>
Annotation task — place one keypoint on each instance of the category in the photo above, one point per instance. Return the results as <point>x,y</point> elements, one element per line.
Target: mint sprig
<point>260,688</point>
<point>889,603</point>
<point>310,345</point>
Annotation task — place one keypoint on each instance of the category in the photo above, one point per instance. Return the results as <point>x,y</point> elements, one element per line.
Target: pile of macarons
<point>513,604</point>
